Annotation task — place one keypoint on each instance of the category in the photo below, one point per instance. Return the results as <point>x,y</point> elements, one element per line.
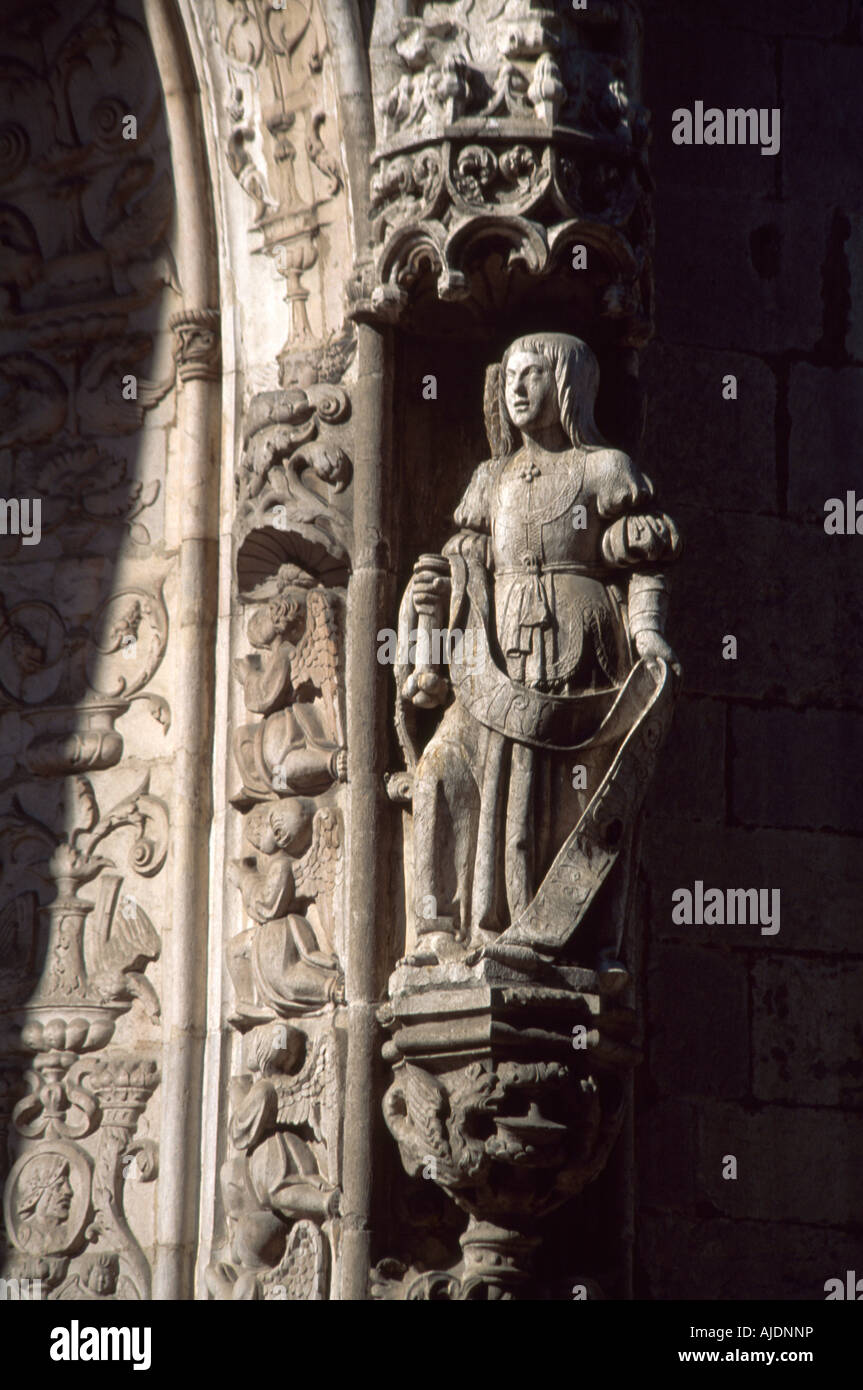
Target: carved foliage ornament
<point>507,123</point>
<point>84,259</point>
<point>59,1201</point>
<point>280,140</point>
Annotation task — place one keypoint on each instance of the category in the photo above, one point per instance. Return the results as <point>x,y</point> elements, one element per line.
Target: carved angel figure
<point>275,1195</point>
<point>284,963</point>
<point>300,745</point>
<point>99,1280</point>
<point>526,796</point>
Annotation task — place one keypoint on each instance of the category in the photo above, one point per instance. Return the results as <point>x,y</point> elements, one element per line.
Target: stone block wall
<point>753,1041</point>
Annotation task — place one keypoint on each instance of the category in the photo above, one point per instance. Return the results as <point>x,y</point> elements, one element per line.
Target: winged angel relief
<point>525,799</point>
<point>287,963</point>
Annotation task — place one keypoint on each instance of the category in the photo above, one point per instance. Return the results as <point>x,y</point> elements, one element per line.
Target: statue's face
<point>55,1201</point>
<point>530,391</point>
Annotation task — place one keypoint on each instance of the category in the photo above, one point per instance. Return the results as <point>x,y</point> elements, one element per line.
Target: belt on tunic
<point>489,695</point>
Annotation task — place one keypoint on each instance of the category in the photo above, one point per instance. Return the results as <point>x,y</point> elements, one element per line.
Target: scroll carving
<point>64,1212</point>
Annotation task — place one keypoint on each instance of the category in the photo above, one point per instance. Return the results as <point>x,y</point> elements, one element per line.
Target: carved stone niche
<point>510,131</point>
<point>534,689</point>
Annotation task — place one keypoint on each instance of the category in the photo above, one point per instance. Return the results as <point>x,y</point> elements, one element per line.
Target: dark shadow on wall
<point>86,213</point>
<point>754,385</point>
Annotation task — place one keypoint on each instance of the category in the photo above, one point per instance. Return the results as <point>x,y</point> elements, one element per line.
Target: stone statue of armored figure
<point>558,686</point>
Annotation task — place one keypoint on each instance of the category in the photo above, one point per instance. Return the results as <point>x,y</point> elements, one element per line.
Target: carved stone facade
<point>334,671</point>
<point>430,180</point>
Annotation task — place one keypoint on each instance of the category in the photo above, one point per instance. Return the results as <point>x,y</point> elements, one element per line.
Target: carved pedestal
<point>508,1093</point>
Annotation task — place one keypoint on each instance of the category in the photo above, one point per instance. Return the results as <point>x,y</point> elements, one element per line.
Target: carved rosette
<point>511,131</point>
<point>280,1185</point>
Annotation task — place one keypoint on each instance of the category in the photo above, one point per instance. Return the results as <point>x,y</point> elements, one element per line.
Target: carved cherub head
<point>545,379</point>
<point>101,1277</point>
<point>281,825</point>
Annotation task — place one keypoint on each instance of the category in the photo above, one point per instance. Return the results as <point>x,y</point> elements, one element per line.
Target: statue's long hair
<point>576,374</point>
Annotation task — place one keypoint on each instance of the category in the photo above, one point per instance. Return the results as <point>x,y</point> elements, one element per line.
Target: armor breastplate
<point>553,613</point>
<point>532,519</point>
